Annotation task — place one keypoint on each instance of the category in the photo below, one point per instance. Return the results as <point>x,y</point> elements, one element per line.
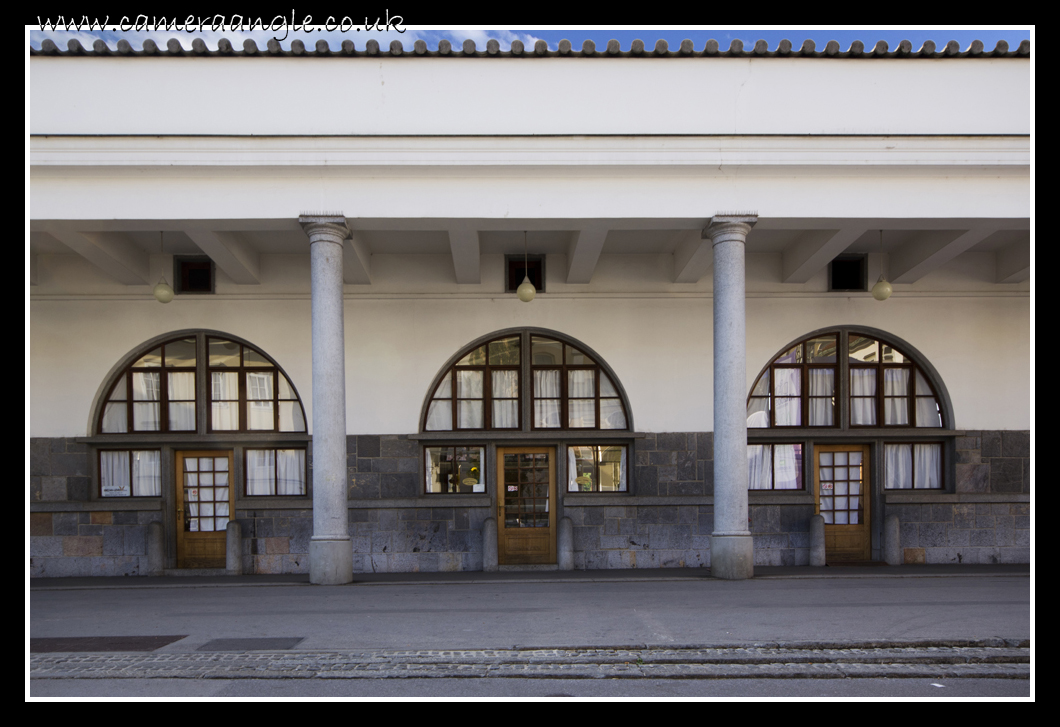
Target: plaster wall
<point>223,197</point>
<point>441,96</point>
<point>657,338</point>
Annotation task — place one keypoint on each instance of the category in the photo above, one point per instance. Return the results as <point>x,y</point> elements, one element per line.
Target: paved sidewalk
<point>537,576</point>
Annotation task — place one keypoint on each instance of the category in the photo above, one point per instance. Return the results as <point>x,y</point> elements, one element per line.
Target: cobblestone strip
<point>952,662</point>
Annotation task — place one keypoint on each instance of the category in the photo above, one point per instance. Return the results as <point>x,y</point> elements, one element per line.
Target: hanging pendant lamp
<point>163,292</point>
<point>882,289</point>
<point>526,290</point>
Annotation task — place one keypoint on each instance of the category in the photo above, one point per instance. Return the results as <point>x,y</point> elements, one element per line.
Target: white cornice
<point>707,152</point>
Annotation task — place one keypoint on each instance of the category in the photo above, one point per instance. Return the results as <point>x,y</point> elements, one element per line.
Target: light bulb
<point>163,293</point>
<point>526,290</point>
<point>882,289</point>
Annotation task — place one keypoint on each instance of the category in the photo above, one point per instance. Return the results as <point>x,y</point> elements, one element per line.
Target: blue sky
<point>624,34</point>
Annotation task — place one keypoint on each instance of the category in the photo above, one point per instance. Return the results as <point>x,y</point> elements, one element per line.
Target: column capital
<point>729,226</point>
<point>325,228</point>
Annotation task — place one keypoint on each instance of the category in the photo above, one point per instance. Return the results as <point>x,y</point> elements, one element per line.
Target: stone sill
<point>904,498</point>
<point>439,500</point>
<point>144,504</point>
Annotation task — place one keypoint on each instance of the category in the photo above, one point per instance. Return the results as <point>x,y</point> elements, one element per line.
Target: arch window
<point>848,383</point>
<point>483,389</point>
<point>200,391</point>
<point>805,386</point>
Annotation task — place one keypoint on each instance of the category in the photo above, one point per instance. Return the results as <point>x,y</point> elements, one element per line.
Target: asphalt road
<point>560,614</point>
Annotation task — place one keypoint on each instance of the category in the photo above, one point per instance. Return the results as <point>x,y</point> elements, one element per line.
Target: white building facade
<point>346,380</point>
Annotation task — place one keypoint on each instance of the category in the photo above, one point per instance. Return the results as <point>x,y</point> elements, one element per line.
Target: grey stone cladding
<point>997,462</point>
<point>989,466</point>
<point>665,521</point>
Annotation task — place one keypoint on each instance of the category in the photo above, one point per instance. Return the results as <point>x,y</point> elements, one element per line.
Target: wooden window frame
<point>801,470</point>
<point>913,443</point>
<point>275,473</point>
<point>241,372</point>
<point>463,445</point>
<point>163,400</point>
<point>626,473</point>
<point>487,370</point>
<point>130,450</point>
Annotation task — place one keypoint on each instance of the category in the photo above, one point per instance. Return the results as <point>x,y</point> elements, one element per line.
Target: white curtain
<point>182,401</point>
<point>469,384</point>
<point>261,471</point>
<point>611,414</point>
<point>546,384</point>
<point>146,474</point>
<point>145,389</point>
<point>291,417</point>
<point>546,412</point>
<point>896,385</point>
<point>114,474</point>
<point>759,467</point>
<point>224,410</point>
<point>787,384</point>
<point>506,388</point>
<point>863,384</point>
<point>506,414</point>
<point>469,414</point>
<point>897,467</point>
<point>786,461</point>
<point>290,472</point>
<point>928,470</point>
<point>581,384</point>
<point>115,418</point>
<point>822,389</point>
<point>546,398</point>
<point>440,416</point>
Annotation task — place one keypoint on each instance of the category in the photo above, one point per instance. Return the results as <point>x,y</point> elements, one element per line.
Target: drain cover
<point>100,643</point>
<point>266,644</point>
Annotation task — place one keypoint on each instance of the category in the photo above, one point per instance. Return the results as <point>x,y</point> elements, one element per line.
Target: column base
<point>330,561</point>
<point>732,557</point>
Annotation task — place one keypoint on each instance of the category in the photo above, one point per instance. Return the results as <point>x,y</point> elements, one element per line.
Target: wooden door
<point>841,481</point>
<point>205,502</point>
<point>526,512</point>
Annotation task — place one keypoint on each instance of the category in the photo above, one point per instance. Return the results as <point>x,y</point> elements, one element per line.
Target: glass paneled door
<point>205,501</point>
<point>526,513</point>
<point>841,480</point>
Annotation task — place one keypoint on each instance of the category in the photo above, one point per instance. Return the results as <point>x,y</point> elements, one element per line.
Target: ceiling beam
<point>1014,262</point>
<point>693,256</point>
<point>111,252</point>
<point>356,260</point>
<point>466,250</point>
<point>230,253</point>
<point>811,252</point>
<point>584,252</point>
<point>931,250</point>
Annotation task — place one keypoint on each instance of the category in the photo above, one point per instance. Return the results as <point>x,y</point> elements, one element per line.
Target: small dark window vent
<point>848,273</point>
<point>533,267</point>
<point>193,274</point>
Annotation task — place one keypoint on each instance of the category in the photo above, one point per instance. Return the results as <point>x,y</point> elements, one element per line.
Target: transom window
<point>160,391</point>
<point>805,386</point>
<point>569,389</point>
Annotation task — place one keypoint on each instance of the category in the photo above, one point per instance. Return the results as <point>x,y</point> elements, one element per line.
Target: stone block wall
<point>275,541</point>
<point>674,463</point>
<point>97,543</point>
<point>781,534</point>
<point>67,539</point>
<point>991,461</point>
<point>641,536</point>
<point>964,532</point>
<point>412,539</point>
<point>987,519</point>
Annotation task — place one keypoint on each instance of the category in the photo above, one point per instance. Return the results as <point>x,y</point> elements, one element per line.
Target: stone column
<point>731,547</point>
<point>330,550</point>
